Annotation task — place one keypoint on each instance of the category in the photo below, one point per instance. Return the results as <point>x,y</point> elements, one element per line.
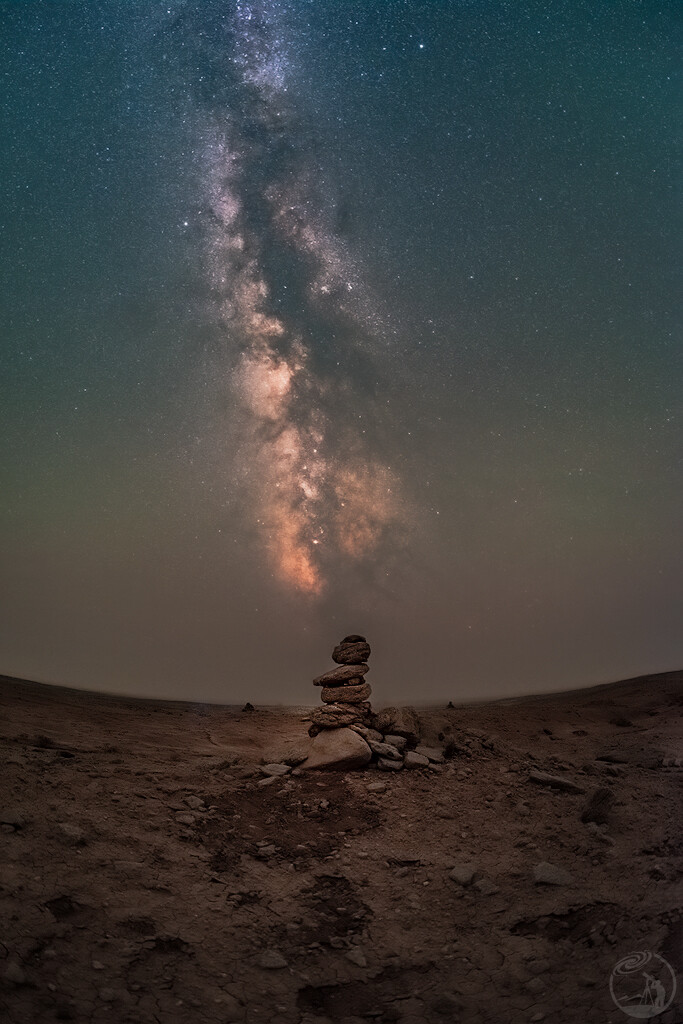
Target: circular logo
<point>643,985</point>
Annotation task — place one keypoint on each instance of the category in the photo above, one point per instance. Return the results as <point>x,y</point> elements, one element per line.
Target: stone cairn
<point>344,691</point>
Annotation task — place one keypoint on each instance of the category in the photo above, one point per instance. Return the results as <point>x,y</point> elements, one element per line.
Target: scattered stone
<point>186,819</point>
<point>372,734</point>
<point>386,765</point>
<point>276,768</point>
<point>71,832</point>
<point>341,674</point>
<point>338,748</point>
<point>13,974</point>
<point>556,782</point>
<point>598,806</point>
<point>486,887</point>
<point>357,957</point>
<point>195,803</point>
<point>550,874</point>
<point>271,960</point>
<point>13,817</point>
<point>463,873</point>
<point>268,781</point>
<point>349,694</point>
<point>384,750</point>
<point>400,742</point>
<point>434,754</point>
<point>415,760</point>
<point>377,787</point>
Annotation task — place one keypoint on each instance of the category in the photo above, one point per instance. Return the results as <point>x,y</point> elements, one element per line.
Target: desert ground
<point>153,872</point>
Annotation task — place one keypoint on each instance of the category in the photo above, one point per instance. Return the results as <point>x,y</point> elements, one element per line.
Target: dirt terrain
<point>151,873</point>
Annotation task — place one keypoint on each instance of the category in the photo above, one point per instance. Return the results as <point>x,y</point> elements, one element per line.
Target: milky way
<point>287,291</point>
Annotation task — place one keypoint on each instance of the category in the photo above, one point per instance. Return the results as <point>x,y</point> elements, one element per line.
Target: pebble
<point>386,765</point>
<point>14,818</point>
<point>185,819</point>
<point>462,873</point>
<point>415,760</point>
<point>357,957</point>
<point>195,803</point>
<point>556,782</point>
<point>434,754</point>
<point>384,750</point>
<point>276,768</point>
<point>71,832</point>
<point>550,874</point>
<point>377,787</point>
<point>14,974</point>
<point>271,960</point>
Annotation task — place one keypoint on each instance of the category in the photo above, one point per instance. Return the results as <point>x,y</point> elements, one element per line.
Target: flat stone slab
<point>351,653</point>
<point>556,782</point>
<point>346,694</point>
<point>338,675</point>
<point>338,748</point>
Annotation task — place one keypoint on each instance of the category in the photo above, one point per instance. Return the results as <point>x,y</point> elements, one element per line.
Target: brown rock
<point>338,748</point>
<point>333,716</point>
<point>351,654</point>
<point>341,674</point>
<point>354,638</point>
<point>346,694</point>
<point>599,806</point>
<point>400,721</point>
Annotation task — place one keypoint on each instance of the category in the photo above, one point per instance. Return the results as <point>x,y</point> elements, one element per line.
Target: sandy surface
<point>146,876</point>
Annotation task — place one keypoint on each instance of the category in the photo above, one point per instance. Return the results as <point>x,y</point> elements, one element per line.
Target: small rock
<point>415,760</point>
<point>248,707</point>
<point>386,765</point>
<point>71,832</point>
<point>598,806</point>
<point>13,974</point>
<point>368,734</point>
<point>463,873</point>
<point>377,787</point>
<point>550,874</point>
<point>486,887</point>
<point>276,768</point>
<point>400,742</point>
<point>357,957</point>
<point>97,965</point>
<point>13,817</point>
<point>555,782</point>
<point>195,803</point>
<point>268,781</point>
<point>185,819</point>
<point>434,754</point>
<point>384,750</point>
<point>271,960</point>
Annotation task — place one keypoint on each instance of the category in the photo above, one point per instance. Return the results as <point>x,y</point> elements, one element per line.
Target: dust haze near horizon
<point>327,318</point>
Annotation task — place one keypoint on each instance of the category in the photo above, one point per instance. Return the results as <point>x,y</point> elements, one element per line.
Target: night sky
<point>328,317</point>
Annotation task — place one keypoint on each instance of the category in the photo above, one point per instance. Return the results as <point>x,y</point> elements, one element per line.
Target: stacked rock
<point>344,692</point>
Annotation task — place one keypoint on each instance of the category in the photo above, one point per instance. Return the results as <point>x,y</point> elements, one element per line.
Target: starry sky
<point>321,318</point>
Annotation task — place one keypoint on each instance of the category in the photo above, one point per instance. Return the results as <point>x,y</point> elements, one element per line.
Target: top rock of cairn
<point>353,650</point>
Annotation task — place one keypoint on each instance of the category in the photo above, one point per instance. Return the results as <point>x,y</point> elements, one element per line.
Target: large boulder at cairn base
<point>338,748</point>
<point>399,721</point>
<point>346,694</point>
<point>351,654</point>
<point>341,674</point>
